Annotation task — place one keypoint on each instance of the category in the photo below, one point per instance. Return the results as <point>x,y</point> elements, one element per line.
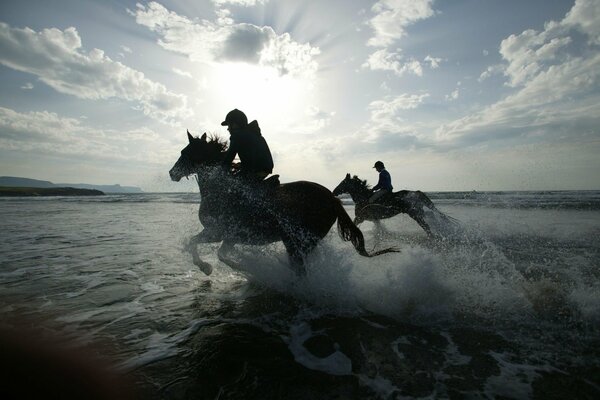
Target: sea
<point>505,303</point>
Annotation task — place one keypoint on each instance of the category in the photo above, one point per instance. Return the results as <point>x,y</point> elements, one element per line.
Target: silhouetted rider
<point>384,185</point>
<point>247,142</point>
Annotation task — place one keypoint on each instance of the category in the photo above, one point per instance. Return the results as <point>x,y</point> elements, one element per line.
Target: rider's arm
<point>379,183</point>
<point>231,152</point>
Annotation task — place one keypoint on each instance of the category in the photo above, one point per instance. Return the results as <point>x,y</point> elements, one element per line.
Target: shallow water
<point>507,303</point>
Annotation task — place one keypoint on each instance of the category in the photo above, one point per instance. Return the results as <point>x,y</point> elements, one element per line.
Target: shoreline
<point>9,191</point>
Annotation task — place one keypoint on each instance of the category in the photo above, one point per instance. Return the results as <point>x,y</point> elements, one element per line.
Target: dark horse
<point>413,203</point>
<point>236,210</point>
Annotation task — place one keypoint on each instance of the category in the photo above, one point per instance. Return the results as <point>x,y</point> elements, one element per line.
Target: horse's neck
<point>209,176</point>
<point>210,179</point>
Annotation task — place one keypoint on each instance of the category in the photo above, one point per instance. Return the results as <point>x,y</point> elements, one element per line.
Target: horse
<point>413,203</point>
<point>235,210</point>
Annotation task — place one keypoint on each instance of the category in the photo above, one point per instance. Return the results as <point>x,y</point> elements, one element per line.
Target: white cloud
<point>434,62</point>
<point>126,49</point>
<point>206,41</point>
<point>56,57</point>
<point>585,16</point>
<point>452,96</point>
<point>52,134</point>
<point>393,16</point>
<point>389,24</point>
<point>38,125</point>
<point>557,84</point>
<point>386,113</point>
<point>392,104</point>
<point>244,3</point>
<point>490,71</point>
<point>529,52</point>
<point>182,73</point>
<point>314,120</point>
<point>386,61</point>
<point>563,94</point>
<point>27,86</point>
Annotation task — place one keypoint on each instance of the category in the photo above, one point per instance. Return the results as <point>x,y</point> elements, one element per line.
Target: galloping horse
<point>235,210</point>
<point>413,203</point>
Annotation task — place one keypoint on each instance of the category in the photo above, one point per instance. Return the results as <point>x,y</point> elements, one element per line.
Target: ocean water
<point>503,304</point>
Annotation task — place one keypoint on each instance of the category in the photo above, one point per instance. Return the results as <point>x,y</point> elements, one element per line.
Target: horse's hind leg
<point>379,231</point>
<point>298,249</point>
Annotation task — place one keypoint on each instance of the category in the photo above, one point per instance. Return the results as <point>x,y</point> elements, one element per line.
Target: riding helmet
<point>379,164</point>
<point>235,116</point>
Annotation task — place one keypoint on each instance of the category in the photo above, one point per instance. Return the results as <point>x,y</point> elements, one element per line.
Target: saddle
<point>271,182</point>
<point>385,200</point>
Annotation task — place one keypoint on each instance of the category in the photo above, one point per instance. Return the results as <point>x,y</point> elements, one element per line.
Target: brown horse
<point>414,203</point>
<point>236,210</point>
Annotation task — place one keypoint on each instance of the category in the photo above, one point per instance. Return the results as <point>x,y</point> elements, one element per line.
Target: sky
<point>450,95</point>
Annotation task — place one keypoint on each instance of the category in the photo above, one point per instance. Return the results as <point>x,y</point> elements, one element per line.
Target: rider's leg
<point>377,195</point>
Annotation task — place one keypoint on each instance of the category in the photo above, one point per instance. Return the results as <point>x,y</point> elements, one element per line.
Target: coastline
<point>8,191</point>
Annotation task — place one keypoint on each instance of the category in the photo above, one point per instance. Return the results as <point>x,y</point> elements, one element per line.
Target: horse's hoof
<point>204,267</point>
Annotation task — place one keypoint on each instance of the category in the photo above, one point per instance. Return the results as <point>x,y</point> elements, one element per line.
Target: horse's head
<point>352,185</point>
<point>344,186</point>
<point>198,152</point>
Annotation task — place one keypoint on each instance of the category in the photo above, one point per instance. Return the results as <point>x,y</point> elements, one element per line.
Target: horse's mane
<point>361,182</point>
<point>216,142</point>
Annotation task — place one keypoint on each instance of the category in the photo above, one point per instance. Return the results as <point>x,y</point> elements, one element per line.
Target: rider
<point>247,142</point>
<point>384,185</point>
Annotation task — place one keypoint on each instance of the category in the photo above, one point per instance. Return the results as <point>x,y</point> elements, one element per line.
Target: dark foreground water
<point>505,305</point>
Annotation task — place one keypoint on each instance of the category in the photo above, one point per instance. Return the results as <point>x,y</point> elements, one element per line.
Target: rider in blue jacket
<point>384,185</point>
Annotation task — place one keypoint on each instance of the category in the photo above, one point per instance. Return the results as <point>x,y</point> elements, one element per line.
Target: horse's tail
<point>349,232</point>
<point>426,200</point>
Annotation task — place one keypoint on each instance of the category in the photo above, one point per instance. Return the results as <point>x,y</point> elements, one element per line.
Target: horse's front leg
<point>206,236</point>
<point>227,247</point>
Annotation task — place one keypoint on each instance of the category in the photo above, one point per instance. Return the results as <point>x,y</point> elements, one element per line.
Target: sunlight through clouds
<point>333,84</point>
<point>209,42</point>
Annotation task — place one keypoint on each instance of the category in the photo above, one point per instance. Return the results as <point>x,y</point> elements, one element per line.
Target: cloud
<point>48,133</point>
<point>244,3</point>
<point>182,73</point>
<point>226,41</point>
<point>27,86</point>
<point>490,71</point>
<point>434,62</point>
<point>386,126</point>
<point>392,104</point>
<point>393,16</point>
<point>384,60</point>
<point>35,125</point>
<point>556,82</point>
<point>585,16</point>
<point>452,96</point>
<point>56,57</point>
<point>316,119</point>
<point>389,24</point>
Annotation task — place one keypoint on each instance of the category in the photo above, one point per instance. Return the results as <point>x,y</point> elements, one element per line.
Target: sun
<point>262,92</point>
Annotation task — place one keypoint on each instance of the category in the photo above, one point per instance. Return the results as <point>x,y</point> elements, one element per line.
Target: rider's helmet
<point>379,164</point>
<point>235,116</point>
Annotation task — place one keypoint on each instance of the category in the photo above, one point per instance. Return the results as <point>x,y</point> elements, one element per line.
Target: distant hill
<point>12,181</point>
<point>6,191</point>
